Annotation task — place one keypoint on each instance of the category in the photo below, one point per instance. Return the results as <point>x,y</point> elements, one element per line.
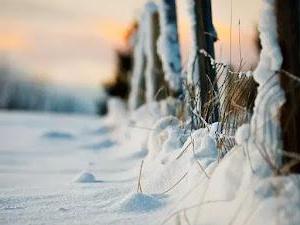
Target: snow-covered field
<point>62,169</point>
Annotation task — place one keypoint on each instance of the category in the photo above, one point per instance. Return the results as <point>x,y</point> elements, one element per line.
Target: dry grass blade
<point>186,218</point>
<point>140,127</point>
<point>183,151</point>
<point>197,161</point>
<point>139,187</point>
<point>173,186</point>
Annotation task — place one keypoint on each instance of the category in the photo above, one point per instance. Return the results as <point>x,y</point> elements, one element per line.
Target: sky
<point>73,41</point>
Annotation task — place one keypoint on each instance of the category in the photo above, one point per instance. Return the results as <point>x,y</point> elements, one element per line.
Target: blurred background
<point>61,55</point>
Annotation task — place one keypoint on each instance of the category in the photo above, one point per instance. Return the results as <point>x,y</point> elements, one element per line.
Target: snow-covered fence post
<point>288,20</point>
<point>168,46</point>
<point>154,72</point>
<point>137,92</point>
<point>200,71</point>
<point>265,128</point>
<point>147,76</point>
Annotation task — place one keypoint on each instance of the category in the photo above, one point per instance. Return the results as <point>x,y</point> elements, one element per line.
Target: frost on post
<point>168,44</point>
<point>265,125</point>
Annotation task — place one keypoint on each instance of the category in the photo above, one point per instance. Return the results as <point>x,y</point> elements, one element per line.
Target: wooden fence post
<point>137,85</point>
<point>288,19</point>
<point>147,76</point>
<point>154,72</point>
<point>204,36</point>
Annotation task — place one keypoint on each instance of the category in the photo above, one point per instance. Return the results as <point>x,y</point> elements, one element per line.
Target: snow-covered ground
<point>62,169</point>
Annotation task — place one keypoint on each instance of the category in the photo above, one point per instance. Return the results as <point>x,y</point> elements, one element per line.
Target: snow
<point>85,177</point>
<point>270,55</point>
<point>57,181</point>
<point>139,202</point>
<point>242,134</point>
<point>147,166</point>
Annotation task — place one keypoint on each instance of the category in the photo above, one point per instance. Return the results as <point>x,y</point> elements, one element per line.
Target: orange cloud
<point>12,41</point>
<point>113,32</point>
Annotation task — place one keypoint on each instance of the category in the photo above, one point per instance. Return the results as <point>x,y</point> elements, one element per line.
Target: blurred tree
<point>124,61</point>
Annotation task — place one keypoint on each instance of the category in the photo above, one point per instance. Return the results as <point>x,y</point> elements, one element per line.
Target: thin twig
<point>182,152</point>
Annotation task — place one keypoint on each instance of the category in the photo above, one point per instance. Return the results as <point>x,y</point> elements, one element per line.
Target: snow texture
<point>181,171</point>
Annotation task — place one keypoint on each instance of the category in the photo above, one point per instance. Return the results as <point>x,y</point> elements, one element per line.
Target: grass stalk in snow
<point>174,185</point>
<point>186,218</point>
<point>139,187</point>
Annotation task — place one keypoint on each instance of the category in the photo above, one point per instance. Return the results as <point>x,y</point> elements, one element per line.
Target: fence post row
<point>152,61</point>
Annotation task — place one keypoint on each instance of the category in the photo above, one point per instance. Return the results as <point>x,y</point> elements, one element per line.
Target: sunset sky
<point>72,41</point>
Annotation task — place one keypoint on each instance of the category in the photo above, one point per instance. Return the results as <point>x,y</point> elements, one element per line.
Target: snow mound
<point>166,136</point>
<point>139,202</point>
<point>242,134</point>
<point>85,177</point>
